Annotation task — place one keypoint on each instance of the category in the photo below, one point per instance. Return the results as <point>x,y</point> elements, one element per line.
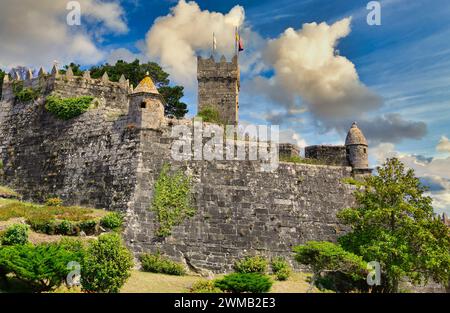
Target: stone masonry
<point>108,158</point>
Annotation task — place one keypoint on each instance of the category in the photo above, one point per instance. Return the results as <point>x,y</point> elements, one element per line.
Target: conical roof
<point>355,136</point>
<point>146,85</point>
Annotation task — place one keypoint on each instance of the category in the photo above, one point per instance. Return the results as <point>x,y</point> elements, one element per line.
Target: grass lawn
<point>160,283</point>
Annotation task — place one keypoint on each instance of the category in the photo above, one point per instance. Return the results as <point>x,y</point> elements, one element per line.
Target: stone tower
<point>356,149</point>
<point>146,108</point>
<point>218,87</point>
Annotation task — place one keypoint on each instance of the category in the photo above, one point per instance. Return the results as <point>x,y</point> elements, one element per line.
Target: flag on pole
<point>239,43</point>
<point>214,43</point>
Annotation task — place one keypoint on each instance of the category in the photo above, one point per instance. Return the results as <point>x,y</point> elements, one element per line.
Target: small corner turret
<point>146,109</point>
<point>356,148</point>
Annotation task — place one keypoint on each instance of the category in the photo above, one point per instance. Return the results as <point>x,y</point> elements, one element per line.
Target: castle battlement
<point>208,68</point>
<point>112,94</point>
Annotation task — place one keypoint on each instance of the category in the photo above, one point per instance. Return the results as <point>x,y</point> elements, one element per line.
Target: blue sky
<point>398,73</point>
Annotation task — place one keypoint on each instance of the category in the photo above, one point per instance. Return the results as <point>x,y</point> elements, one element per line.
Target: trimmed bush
<point>281,268</point>
<point>205,286</point>
<point>255,264</point>
<point>55,201</point>
<point>244,282</point>
<point>113,220</point>
<point>16,234</point>
<point>90,227</point>
<point>42,267</point>
<point>68,108</point>
<point>107,264</point>
<point>156,263</point>
<point>65,228</point>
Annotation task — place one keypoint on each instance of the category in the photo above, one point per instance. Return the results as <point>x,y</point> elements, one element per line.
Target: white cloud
<point>306,65</point>
<point>125,55</point>
<point>35,33</point>
<point>443,145</point>
<point>176,38</point>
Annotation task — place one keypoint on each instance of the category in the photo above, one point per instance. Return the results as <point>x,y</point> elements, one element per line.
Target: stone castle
<point>111,156</point>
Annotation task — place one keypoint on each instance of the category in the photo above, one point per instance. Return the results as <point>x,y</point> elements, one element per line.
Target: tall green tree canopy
<point>135,72</point>
<point>394,224</point>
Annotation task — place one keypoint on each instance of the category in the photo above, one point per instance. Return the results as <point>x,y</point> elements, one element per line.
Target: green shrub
<point>65,227</point>
<point>210,115</point>
<point>343,269</point>
<point>16,234</point>
<point>244,282</point>
<point>172,201</point>
<point>89,227</point>
<point>68,108</point>
<point>205,286</point>
<point>106,265</point>
<point>54,201</point>
<point>113,220</point>
<point>156,263</point>
<point>24,94</point>
<point>281,268</point>
<point>255,264</point>
<point>42,267</point>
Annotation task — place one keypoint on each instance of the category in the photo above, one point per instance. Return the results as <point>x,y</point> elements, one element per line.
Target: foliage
<point>16,234</point>
<point>299,160</point>
<point>23,94</point>
<point>172,200</point>
<point>106,265</point>
<point>43,267</point>
<point>244,282</point>
<point>255,264</point>
<point>332,265</point>
<point>281,268</point>
<point>54,201</point>
<point>68,108</point>
<point>113,220</point>
<point>205,286</point>
<point>393,223</point>
<point>135,72</point>
<point>210,115</point>
<point>76,69</point>
<point>156,263</point>
<point>7,192</point>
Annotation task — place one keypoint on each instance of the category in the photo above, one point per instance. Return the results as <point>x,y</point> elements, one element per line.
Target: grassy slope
<point>160,283</point>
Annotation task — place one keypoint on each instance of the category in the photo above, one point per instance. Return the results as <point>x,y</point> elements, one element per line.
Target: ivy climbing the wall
<point>23,94</point>
<point>68,108</point>
<point>172,201</point>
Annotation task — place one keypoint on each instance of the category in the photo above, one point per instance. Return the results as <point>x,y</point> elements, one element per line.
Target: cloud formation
<point>35,33</point>
<point>306,65</point>
<point>443,145</point>
<point>175,39</point>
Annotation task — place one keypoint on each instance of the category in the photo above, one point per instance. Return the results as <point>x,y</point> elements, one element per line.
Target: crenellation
<point>111,157</point>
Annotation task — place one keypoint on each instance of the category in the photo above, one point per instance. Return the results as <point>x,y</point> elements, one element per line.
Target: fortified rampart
<point>108,158</point>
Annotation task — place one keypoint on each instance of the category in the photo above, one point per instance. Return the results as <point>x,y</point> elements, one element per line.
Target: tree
<point>394,224</point>
<point>135,72</point>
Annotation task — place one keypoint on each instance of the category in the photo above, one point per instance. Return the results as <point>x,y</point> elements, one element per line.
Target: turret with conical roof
<point>146,105</point>
<point>356,148</point>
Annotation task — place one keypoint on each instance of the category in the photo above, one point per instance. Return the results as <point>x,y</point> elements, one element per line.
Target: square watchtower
<point>218,87</point>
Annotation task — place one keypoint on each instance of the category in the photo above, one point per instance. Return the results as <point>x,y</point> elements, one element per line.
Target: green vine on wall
<point>172,201</point>
<point>24,94</point>
<point>68,108</point>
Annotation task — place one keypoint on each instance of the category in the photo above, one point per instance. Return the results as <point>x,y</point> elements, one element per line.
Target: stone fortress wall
<point>110,157</point>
